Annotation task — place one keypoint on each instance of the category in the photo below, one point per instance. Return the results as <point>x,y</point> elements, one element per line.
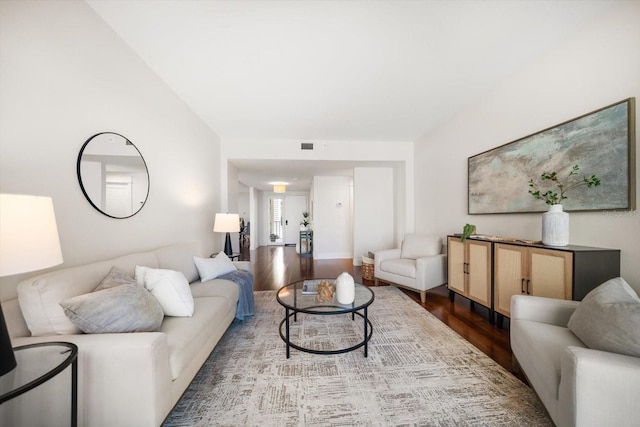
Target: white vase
<point>345,289</point>
<point>555,226</point>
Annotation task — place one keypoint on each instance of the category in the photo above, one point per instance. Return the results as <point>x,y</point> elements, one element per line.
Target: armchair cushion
<point>403,267</point>
<point>416,246</point>
<point>608,318</point>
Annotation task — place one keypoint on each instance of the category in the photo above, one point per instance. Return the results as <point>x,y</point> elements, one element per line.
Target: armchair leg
<point>375,281</point>
<point>423,296</point>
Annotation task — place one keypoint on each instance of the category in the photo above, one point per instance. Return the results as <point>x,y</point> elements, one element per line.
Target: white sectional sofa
<point>581,383</point>
<point>127,379</point>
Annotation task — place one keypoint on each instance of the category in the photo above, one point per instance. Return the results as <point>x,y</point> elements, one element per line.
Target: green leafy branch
<point>551,197</point>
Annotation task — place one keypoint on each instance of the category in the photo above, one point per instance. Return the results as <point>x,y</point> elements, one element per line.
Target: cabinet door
<point>479,269</point>
<point>509,275</point>
<point>456,262</point>
<point>550,273</point>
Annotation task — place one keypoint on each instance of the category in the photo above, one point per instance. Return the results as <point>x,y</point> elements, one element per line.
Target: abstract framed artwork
<point>602,142</point>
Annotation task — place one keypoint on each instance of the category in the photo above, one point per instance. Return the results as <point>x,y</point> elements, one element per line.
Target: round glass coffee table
<point>295,300</point>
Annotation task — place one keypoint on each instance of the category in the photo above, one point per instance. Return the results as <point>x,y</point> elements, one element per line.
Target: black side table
<point>306,236</point>
<point>37,364</point>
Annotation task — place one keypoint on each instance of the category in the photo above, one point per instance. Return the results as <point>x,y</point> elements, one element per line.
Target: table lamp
<point>28,241</point>
<point>227,223</point>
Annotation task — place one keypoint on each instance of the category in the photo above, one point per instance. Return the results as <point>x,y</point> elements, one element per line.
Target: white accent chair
<point>419,265</point>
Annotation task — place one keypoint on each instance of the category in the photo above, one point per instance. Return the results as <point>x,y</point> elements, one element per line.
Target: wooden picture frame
<point>601,142</point>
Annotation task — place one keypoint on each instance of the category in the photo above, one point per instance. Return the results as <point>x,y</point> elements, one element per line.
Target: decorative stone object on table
<point>325,291</point>
<point>345,288</point>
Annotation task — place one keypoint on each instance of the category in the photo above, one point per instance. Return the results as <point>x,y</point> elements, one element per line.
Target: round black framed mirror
<point>113,175</point>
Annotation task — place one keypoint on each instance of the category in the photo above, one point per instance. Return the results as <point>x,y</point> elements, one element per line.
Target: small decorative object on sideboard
<point>345,288</point>
<point>467,231</point>
<point>555,222</point>
<point>325,291</point>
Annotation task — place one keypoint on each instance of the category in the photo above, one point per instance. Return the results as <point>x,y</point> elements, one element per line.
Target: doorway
<point>294,205</point>
<point>275,221</point>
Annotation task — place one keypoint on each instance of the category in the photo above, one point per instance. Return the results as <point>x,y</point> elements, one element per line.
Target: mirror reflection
<point>113,175</point>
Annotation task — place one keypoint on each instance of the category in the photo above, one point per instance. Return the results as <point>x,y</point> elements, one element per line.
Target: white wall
<point>597,67</point>
<point>399,152</point>
<point>253,217</point>
<point>231,206</point>
<point>332,237</point>
<point>64,76</point>
<point>373,211</point>
<point>243,205</point>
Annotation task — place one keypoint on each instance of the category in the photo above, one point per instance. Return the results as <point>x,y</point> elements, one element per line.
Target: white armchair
<point>420,264</point>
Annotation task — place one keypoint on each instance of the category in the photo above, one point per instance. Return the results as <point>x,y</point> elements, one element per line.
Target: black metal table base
<point>286,337</point>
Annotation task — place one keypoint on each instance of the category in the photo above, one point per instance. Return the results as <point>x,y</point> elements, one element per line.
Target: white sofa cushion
<point>179,257</point>
<point>124,308</point>
<point>416,246</point>
<point>169,287</point>
<point>186,335</point>
<point>400,266</point>
<point>608,318</point>
<point>218,288</point>
<point>210,268</point>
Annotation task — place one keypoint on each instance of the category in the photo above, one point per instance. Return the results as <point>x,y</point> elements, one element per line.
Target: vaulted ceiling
<point>339,70</point>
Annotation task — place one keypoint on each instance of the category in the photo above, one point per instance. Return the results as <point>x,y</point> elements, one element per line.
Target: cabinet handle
<point>528,282</point>
<point>522,286</point>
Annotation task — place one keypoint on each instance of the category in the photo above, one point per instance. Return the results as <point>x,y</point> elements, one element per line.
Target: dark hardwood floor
<point>276,266</point>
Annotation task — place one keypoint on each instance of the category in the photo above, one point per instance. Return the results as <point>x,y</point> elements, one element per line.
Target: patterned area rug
<point>419,372</point>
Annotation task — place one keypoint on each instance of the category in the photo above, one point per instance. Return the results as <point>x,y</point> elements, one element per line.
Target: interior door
<point>275,221</point>
<point>293,208</point>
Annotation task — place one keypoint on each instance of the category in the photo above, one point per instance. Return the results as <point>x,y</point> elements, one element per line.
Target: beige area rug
<point>418,373</point>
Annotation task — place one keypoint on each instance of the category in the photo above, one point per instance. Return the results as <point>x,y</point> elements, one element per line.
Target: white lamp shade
<point>28,234</point>
<point>279,188</point>
<point>227,223</point>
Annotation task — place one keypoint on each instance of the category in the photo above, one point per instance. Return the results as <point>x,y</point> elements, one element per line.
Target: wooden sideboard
<point>490,271</point>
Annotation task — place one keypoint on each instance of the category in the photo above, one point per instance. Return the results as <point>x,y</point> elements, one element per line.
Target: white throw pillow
<point>210,268</point>
<point>170,288</point>
<point>416,246</point>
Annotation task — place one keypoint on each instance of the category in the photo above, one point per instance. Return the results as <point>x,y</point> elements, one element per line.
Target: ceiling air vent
<point>306,145</point>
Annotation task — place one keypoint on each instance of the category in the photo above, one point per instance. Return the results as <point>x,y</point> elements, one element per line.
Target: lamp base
<point>227,245</point>
<point>7,358</point>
